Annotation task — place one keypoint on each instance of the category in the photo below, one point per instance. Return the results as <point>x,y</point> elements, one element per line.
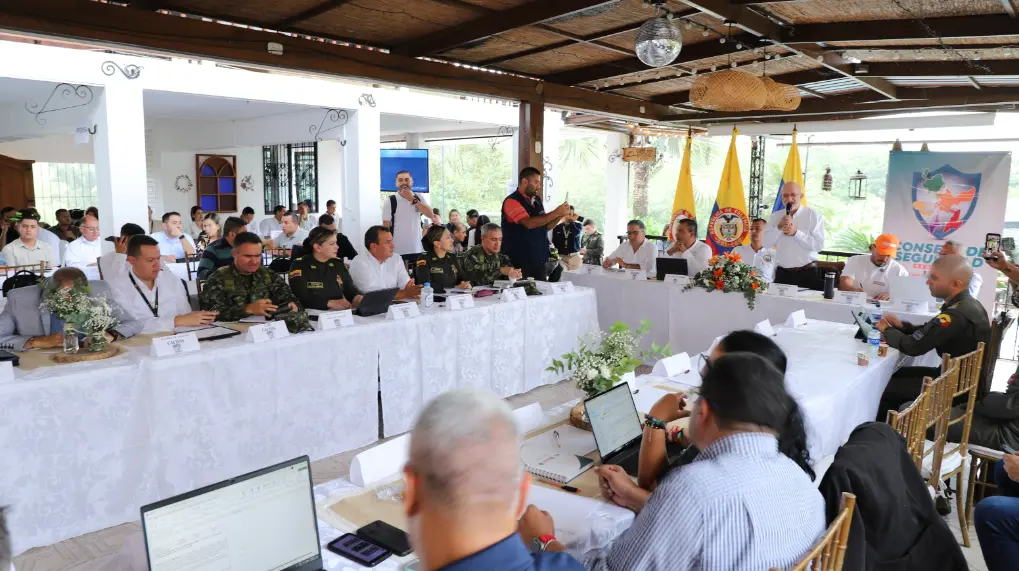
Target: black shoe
<point>942,506</point>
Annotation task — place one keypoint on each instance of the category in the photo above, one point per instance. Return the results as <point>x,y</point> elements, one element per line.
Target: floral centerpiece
<point>90,316</point>
<point>604,358</point>
<point>729,274</point>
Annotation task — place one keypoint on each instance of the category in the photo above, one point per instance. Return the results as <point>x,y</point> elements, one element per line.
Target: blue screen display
<point>413,160</point>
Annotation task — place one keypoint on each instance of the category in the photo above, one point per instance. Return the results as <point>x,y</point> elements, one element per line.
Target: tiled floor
<point>93,552</point>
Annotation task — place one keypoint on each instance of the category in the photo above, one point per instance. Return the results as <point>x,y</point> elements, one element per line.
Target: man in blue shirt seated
<point>741,504</point>
<point>174,243</point>
<point>465,489</point>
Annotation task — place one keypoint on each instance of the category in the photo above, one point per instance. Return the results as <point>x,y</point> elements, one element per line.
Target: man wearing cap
<point>870,272</point>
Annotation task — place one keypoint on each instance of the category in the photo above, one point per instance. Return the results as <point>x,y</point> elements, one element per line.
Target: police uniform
<point>317,283</point>
<point>442,273</point>
<point>228,291</point>
<point>957,330</point>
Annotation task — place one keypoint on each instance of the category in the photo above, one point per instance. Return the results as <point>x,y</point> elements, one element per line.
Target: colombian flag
<point>793,173</point>
<point>729,225</point>
<point>683,204</point>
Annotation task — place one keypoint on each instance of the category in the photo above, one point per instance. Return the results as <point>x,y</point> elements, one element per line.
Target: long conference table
<point>85,445</point>
<point>690,321</point>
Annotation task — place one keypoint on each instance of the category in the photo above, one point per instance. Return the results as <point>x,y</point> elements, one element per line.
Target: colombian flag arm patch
<point>295,274</point>
<point>944,320</point>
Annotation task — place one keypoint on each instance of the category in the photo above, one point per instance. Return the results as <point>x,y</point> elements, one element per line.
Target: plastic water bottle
<point>873,343</point>
<point>427,296</point>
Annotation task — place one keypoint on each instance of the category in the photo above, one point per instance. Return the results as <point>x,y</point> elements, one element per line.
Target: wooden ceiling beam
<point>111,25</point>
<point>863,102</point>
<point>527,14</point>
<point>986,26</point>
<point>310,13</point>
<point>937,68</point>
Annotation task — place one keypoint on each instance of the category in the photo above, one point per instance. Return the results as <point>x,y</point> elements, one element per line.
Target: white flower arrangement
<point>604,357</point>
<point>88,315</point>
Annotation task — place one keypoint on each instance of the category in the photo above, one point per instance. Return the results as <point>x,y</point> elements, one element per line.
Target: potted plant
<point>727,273</point>
<point>603,360</point>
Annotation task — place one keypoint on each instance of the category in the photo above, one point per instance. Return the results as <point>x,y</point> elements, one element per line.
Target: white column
<point>330,176</point>
<point>119,148</point>
<point>616,191</point>
<point>415,141</point>
<point>554,195</point>
<point>361,172</point>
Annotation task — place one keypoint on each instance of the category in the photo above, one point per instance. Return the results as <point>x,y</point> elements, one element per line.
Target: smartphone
<point>1008,448</point>
<point>280,310</point>
<point>992,245</point>
<point>359,550</point>
<point>111,239</point>
<point>387,536</point>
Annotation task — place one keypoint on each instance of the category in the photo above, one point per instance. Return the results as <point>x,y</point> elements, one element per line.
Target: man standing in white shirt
<point>951,247</point>
<point>151,293</point>
<point>86,249</point>
<point>174,244</point>
<point>28,249</point>
<point>380,269</point>
<point>797,234</point>
<point>870,272</point>
<point>755,254</point>
<point>402,215</point>
<point>270,225</point>
<point>293,234</point>
<point>637,253</point>
<point>687,247</point>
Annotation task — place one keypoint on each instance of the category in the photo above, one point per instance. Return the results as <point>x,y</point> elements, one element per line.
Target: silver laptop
<point>262,521</point>
<point>616,426</point>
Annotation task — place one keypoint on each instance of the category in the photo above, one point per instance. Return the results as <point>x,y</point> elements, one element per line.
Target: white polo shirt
<point>81,252</point>
<point>644,256</point>
<point>697,257</point>
<point>371,275</point>
<point>18,254</point>
<point>268,226</point>
<point>762,260</point>
<point>872,279</point>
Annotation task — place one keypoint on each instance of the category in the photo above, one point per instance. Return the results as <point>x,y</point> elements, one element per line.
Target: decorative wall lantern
<point>858,186</point>
<point>826,180</point>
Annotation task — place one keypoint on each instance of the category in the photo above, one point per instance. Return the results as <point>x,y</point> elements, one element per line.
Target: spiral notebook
<point>551,463</point>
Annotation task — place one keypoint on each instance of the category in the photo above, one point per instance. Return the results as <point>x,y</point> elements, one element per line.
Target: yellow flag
<point>683,204</point>
<point>793,172</point>
<point>729,225</point>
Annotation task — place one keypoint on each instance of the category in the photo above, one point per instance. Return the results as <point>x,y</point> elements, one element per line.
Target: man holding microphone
<point>797,234</point>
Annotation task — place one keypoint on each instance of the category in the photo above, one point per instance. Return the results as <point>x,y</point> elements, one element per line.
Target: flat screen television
<point>396,160</point>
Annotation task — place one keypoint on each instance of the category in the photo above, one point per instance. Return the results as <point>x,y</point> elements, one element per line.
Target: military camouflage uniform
<point>483,269</point>
<point>228,291</point>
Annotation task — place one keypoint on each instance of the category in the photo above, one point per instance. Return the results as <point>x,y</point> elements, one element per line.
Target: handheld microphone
<point>789,209</point>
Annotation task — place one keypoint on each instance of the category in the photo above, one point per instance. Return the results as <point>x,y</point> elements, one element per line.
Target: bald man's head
<point>791,192</point>
<point>949,275</point>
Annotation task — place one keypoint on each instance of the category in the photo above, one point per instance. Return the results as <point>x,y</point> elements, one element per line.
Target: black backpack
<point>21,278</point>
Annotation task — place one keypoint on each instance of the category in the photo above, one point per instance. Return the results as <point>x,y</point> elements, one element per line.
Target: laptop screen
<point>614,419</point>
<point>264,521</point>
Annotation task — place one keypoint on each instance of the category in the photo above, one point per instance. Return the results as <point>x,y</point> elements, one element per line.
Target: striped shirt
<point>741,505</point>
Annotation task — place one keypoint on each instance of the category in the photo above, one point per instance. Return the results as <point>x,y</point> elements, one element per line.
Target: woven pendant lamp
<point>781,96</point>
<point>728,90</point>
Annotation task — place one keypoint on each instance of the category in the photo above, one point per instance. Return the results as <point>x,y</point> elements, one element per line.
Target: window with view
<point>290,175</point>
<point>63,185</point>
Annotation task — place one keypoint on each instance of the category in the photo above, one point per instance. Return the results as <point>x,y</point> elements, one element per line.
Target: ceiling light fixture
<point>659,41</point>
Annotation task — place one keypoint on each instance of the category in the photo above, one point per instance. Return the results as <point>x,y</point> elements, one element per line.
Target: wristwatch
<point>540,544</point>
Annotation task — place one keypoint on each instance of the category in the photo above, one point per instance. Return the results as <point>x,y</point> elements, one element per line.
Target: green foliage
<point>853,240</point>
<point>603,358</point>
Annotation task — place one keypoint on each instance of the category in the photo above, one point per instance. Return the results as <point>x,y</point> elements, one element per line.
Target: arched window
<point>217,182</point>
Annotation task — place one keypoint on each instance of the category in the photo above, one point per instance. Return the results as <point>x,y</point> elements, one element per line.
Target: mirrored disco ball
<point>658,42</point>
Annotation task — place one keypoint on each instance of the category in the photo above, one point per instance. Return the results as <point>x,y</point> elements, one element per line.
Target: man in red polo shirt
<point>525,225</point>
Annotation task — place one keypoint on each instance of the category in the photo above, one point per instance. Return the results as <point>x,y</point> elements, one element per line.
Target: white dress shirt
<point>801,248</point>
<point>762,260</point>
<point>50,238</point>
<point>18,254</point>
<point>644,256</point>
<point>872,279</point>
<point>81,252</point>
<point>371,275</point>
<point>268,226</point>
<point>975,284</point>
<point>191,229</point>
<point>172,298</point>
<point>171,246</point>
<point>310,224</point>
<point>697,257</point>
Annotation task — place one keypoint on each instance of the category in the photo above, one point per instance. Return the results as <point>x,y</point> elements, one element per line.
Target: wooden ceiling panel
<point>496,4</point>
<point>990,41</point>
<point>244,10</point>
<point>517,41</point>
<point>386,22</point>
<point>570,57</point>
<point>690,37</point>
<point>623,13</point>
<point>661,88</point>
<point>823,11</point>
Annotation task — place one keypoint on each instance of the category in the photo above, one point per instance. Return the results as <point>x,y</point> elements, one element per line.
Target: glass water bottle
<point>70,339</point>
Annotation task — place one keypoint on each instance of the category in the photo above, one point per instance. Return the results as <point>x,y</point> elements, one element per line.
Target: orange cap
<point>886,244</point>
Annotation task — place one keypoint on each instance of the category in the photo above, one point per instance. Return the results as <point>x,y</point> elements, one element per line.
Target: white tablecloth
<point>504,347</point>
<point>690,320</point>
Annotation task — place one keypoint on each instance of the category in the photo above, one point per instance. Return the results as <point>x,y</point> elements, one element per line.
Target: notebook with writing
<point>555,464</point>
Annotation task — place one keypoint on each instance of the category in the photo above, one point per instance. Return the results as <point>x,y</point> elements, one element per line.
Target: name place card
<point>399,311</point>
<point>911,306</point>
<point>677,280</point>
<point>557,288</point>
<point>335,319</point>
<point>591,270</point>
<point>636,275</point>
<point>765,328</point>
<point>267,332</point>
<point>175,344</point>
<point>796,319</point>
<point>514,294</point>
<point>6,372</point>
<point>459,302</point>
<point>783,290</point>
<point>851,297</point>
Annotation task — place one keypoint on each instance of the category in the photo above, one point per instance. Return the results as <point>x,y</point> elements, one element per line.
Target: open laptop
<point>376,302</point>
<point>262,521</point>
<point>671,266</point>
<point>912,288</point>
<point>616,426</point>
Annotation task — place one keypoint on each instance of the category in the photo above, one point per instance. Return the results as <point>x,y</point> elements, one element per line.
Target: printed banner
<point>934,197</point>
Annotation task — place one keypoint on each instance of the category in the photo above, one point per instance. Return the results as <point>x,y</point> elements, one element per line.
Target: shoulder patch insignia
<point>944,320</point>
<point>422,263</point>
<point>295,273</point>
<point>918,335</point>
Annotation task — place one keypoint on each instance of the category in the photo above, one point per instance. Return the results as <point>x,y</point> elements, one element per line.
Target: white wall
<point>174,164</point>
<point>51,149</point>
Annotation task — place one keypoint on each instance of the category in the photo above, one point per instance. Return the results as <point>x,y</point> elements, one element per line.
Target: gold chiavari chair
<point>912,422</point>
<point>829,553</point>
<point>7,272</point>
